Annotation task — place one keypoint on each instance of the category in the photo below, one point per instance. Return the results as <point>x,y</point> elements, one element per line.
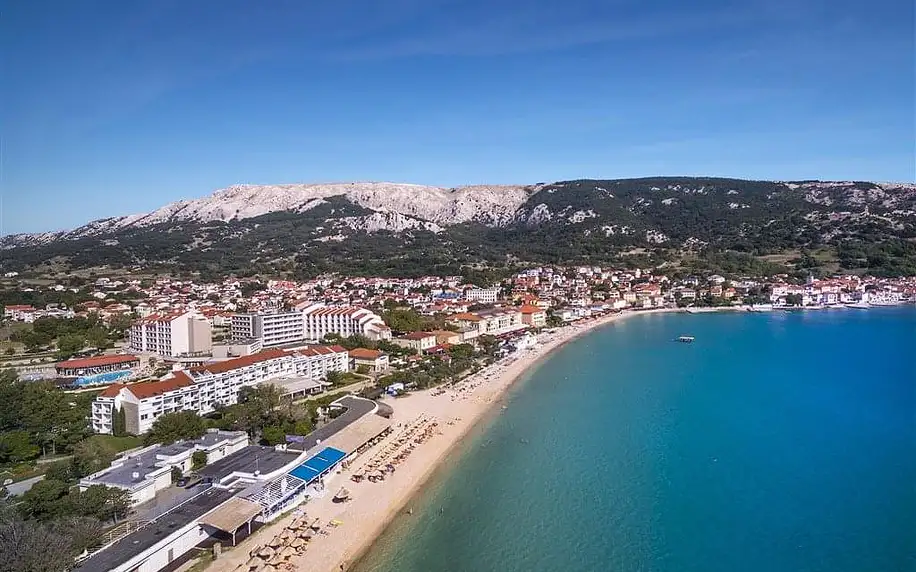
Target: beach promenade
<point>349,529</point>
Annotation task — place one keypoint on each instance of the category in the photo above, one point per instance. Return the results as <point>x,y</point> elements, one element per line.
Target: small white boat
<point>686,339</point>
<point>859,306</point>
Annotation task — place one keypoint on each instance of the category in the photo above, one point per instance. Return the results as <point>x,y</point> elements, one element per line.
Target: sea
<point>775,442</point>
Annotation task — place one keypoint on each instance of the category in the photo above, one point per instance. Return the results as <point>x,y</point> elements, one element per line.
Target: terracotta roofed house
<point>376,360</point>
<point>533,316</point>
<point>419,341</point>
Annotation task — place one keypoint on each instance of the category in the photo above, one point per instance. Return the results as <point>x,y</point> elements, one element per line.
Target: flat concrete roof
<point>248,460</point>
<point>288,385</point>
<point>356,435</point>
<point>145,462</point>
<point>155,532</point>
<point>122,476</point>
<point>356,408</point>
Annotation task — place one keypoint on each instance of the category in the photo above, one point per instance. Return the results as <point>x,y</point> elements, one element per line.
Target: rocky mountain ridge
<point>391,227</point>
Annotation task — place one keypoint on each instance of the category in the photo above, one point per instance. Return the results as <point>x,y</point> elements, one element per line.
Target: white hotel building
<point>310,323</point>
<point>321,320</point>
<point>203,388</point>
<point>171,335</point>
<point>272,329</point>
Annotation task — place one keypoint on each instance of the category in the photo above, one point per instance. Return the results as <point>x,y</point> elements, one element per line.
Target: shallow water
<point>775,442</point>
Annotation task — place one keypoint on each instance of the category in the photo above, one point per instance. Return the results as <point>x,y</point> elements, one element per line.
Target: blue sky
<point>115,107</point>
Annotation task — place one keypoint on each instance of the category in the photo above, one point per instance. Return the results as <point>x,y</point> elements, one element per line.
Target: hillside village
<point>206,322</point>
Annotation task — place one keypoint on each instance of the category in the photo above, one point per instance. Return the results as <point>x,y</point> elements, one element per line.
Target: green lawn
<point>118,443</point>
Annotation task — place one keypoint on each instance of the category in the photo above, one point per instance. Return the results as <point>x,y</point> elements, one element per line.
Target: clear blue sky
<point>121,106</point>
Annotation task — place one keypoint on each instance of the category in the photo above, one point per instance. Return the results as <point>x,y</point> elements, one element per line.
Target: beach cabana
<point>232,515</point>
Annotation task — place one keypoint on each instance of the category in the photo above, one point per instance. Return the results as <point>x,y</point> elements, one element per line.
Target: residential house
<point>376,360</point>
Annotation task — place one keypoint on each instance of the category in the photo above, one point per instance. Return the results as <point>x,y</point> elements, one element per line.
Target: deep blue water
<point>775,442</point>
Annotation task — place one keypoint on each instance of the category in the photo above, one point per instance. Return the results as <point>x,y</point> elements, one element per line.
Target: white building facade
<point>482,295</point>
<point>203,388</point>
<point>310,323</point>
<point>171,335</point>
<point>321,320</point>
<point>272,329</point>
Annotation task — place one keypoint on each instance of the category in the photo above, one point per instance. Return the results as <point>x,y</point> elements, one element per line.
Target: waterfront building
<point>203,388</point>
<point>239,485</point>
<point>172,335</point>
<point>533,316</point>
<point>146,472</point>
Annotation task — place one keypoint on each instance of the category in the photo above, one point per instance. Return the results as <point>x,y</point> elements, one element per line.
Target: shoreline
<point>460,409</point>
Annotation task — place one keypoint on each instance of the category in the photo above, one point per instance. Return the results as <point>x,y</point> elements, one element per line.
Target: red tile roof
<point>365,353</point>
<point>112,390</point>
<point>418,335</point>
<point>236,363</point>
<point>530,309</point>
<point>265,355</point>
<point>147,389</point>
<point>96,361</point>
<point>467,317</point>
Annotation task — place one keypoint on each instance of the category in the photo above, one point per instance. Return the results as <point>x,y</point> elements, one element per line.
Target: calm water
<point>775,442</point>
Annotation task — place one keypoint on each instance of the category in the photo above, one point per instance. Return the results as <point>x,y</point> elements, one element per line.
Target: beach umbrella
<point>266,552</point>
<point>277,559</point>
<point>254,561</point>
<point>275,542</point>
<point>297,543</point>
<point>315,524</point>
<point>288,552</point>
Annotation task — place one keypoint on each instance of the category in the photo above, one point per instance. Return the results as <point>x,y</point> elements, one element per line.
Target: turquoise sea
<point>776,442</point>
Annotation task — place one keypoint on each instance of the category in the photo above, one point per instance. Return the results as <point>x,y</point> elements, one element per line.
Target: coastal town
<point>365,384</point>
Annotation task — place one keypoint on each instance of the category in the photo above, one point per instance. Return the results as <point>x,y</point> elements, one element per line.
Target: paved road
<point>20,487</point>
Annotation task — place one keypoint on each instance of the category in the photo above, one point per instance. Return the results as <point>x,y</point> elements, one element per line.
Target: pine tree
<point>119,423</point>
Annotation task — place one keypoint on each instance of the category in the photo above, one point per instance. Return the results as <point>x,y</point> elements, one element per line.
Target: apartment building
<point>308,323</point>
<point>171,335</point>
<point>321,320</point>
<point>205,387</point>
<point>419,341</point>
<point>493,322</point>
<point>375,360</point>
<point>482,295</point>
<point>533,316</point>
<point>272,328</point>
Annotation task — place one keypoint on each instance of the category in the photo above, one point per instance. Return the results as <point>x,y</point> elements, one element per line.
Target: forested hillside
<point>751,226</point>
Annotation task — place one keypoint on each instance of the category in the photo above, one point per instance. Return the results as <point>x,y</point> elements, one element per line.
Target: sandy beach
<point>373,505</point>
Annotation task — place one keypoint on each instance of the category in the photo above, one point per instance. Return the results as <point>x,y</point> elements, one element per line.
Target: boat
<point>859,306</point>
<point>686,339</point>
<point>815,307</point>
<point>891,302</point>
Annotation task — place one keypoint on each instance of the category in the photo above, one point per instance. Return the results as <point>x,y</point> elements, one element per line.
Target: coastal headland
<point>373,505</point>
